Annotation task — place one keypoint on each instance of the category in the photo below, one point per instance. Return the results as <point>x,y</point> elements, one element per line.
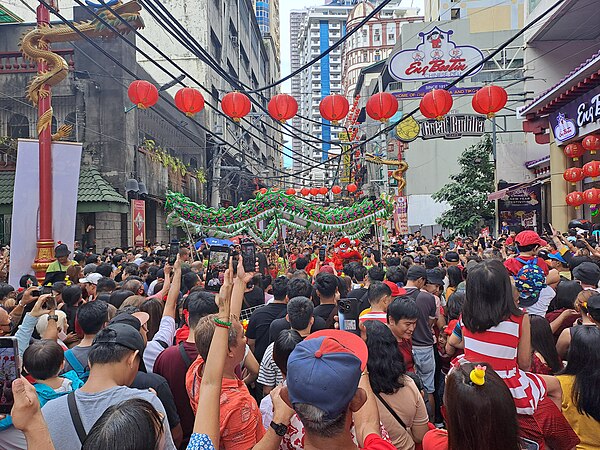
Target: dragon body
<point>35,46</point>
<point>288,210</point>
<point>396,174</point>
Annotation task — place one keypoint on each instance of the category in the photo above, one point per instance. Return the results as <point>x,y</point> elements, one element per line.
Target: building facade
<point>563,74</point>
<point>229,32</point>
<point>483,15</point>
<point>117,147</point>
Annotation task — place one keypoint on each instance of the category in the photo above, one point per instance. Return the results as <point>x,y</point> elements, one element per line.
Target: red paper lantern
<point>592,196</point>
<point>592,169</point>
<point>236,105</point>
<point>189,101</point>
<point>334,108</point>
<point>336,190</point>
<point>304,191</point>
<point>489,100</point>
<point>314,191</point>
<point>283,107</point>
<point>574,150</point>
<point>323,190</point>
<point>351,187</point>
<point>291,191</point>
<point>436,104</point>
<point>573,175</point>
<point>142,93</point>
<point>591,143</point>
<point>382,106</point>
<point>575,199</point>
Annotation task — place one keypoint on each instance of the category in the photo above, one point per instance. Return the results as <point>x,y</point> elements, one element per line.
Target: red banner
<point>138,222</point>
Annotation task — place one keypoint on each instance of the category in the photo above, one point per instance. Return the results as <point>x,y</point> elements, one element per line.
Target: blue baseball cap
<point>557,257</point>
<point>324,370</point>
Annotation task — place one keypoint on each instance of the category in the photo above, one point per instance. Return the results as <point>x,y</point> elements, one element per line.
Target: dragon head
<point>129,12</point>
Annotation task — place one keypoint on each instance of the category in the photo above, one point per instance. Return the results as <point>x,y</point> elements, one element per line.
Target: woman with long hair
<point>585,305</point>
<point>544,357</point>
<point>479,411</point>
<point>455,277</point>
<point>580,382</point>
<point>497,332</point>
<point>401,407</point>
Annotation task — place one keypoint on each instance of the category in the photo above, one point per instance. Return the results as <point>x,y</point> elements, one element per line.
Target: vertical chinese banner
<point>401,215</point>
<point>138,222</point>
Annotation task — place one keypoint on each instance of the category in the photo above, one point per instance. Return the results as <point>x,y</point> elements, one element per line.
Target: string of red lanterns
<point>314,191</point>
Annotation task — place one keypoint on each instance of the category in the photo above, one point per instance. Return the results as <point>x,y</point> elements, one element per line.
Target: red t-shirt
<point>435,440</point>
<point>171,366</point>
<point>513,265</point>
<point>374,442</point>
<point>405,347</point>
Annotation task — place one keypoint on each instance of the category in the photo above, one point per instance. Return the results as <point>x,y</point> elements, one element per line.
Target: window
<point>455,13</point>
<point>18,126</point>
<point>377,56</point>
<point>365,57</point>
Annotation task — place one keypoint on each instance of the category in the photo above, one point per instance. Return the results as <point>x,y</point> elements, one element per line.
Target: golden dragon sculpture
<point>35,46</point>
<point>396,174</point>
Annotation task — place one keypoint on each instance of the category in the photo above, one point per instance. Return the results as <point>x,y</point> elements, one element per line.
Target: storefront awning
<point>497,195</point>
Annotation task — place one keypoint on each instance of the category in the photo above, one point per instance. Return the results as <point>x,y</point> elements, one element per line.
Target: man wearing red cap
<point>528,243</point>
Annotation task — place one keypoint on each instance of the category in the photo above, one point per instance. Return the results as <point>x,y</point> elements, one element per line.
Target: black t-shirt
<point>259,323</point>
<point>361,295</point>
<point>278,325</point>
<point>324,311</point>
<point>163,392</point>
<point>253,298</point>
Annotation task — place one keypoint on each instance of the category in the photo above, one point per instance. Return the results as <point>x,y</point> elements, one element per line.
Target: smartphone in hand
<point>348,315</point>
<point>9,371</point>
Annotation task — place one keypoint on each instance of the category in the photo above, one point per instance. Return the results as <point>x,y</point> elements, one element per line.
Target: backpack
<point>529,281</point>
<point>532,264</point>
<point>76,366</point>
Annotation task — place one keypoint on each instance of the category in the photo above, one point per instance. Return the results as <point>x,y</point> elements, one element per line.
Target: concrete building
<point>230,33</point>
<point>563,70</point>
<point>374,42</point>
<point>432,160</point>
<point>117,146</point>
<point>484,15</point>
<point>296,20</point>
<point>267,17</point>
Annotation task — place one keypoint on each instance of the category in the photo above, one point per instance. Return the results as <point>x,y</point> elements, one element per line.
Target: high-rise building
<point>483,15</point>
<point>319,28</point>
<point>267,17</point>
<point>296,18</point>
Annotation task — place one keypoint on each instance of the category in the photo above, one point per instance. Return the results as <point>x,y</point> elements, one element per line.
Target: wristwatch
<point>280,429</point>
<point>53,317</point>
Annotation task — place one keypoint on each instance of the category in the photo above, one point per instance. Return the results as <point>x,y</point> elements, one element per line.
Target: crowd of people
<point>461,344</point>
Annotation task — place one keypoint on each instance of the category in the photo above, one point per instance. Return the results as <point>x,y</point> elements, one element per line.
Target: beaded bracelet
<point>221,323</point>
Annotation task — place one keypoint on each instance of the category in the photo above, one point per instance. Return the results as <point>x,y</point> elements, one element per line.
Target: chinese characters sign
<point>138,222</point>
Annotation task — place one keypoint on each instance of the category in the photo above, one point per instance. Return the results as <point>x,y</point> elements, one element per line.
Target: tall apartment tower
<point>296,19</point>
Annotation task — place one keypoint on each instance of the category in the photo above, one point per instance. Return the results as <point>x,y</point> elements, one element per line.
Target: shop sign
<point>520,207</point>
<point>437,56</point>
<point>453,126</point>
<point>420,93</point>
<point>401,215</point>
<point>138,222</point>
<point>577,118</point>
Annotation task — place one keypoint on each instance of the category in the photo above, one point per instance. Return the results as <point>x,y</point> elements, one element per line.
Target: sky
<point>285,6</point>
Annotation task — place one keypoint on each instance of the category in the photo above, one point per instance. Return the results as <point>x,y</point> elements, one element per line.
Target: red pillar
<point>45,243</point>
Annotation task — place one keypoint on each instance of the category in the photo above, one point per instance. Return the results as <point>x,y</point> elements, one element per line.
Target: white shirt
<point>166,333</point>
<point>540,307</point>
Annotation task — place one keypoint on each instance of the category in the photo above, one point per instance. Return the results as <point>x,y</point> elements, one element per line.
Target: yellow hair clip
<point>67,280</point>
<point>477,375</point>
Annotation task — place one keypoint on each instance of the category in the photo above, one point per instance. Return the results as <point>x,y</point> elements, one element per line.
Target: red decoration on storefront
<point>291,191</point>
<point>336,190</point>
<point>189,101</point>
<point>236,105</point>
<point>351,187</point>
<point>304,191</point>
<point>591,143</point>
<point>575,199</point>
<point>592,169</point>
<point>592,196</point>
<point>283,107</point>
<point>489,100</point>
<point>323,190</point>
<point>314,191</point>
<point>142,93</point>
<point>436,104</point>
<point>574,150</point>
<point>334,108</point>
<point>382,106</point>
<point>263,191</point>
<point>573,175</point>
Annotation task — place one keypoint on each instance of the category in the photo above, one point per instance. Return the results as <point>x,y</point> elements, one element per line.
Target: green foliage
<point>467,192</point>
<point>172,163</point>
